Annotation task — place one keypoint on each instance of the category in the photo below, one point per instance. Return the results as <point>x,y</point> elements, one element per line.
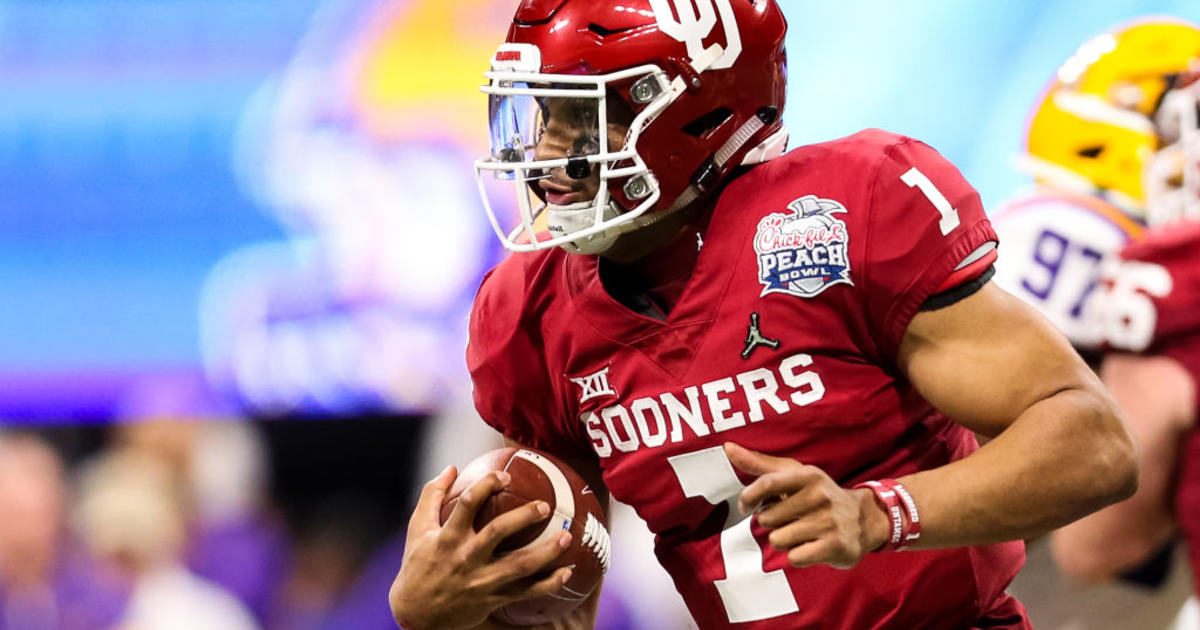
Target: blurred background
<point>238,242</point>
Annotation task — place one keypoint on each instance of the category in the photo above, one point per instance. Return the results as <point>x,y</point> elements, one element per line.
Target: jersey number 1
<point>748,592</point>
<point>916,179</point>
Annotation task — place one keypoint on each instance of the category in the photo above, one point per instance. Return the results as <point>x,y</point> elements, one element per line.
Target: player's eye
<point>586,144</point>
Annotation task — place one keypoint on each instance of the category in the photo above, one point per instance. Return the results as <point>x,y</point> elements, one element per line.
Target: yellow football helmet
<point>1094,128</point>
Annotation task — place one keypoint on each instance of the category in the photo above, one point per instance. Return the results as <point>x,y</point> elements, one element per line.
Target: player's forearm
<point>1064,457</point>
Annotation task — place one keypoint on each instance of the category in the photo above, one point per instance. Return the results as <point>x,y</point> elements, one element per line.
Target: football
<point>574,507</point>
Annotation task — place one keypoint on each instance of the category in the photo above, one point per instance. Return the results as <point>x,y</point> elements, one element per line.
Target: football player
<point>780,360</point>
<point>1150,315</point>
<point>1089,139</point>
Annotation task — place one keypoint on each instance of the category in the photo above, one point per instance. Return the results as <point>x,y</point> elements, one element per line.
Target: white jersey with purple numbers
<point>1053,245</point>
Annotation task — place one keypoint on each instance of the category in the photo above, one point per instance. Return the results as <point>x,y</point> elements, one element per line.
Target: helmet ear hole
<point>703,126</point>
<point>1092,152</point>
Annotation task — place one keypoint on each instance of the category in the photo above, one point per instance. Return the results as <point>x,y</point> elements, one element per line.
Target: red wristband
<point>912,533</point>
<point>891,505</point>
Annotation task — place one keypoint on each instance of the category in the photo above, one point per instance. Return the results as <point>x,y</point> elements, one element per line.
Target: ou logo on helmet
<point>695,22</point>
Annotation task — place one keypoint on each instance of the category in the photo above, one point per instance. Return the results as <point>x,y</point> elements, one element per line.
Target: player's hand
<point>810,517</point>
<point>450,577</point>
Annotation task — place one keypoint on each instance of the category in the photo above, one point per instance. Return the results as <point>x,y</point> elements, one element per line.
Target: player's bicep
<point>987,358</point>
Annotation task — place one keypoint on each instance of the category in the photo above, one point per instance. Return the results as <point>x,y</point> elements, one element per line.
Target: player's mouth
<point>556,199</point>
<point>560,195</point>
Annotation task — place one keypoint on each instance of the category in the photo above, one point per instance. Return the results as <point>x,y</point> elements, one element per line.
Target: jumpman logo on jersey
<point>755,338</point>
<point>594,385</point>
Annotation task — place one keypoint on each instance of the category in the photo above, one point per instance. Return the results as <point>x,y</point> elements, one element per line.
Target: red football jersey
<point>783,341</point>
<point>1153,305</point>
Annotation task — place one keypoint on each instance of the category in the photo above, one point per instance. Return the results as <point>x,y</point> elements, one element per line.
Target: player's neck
<point>654,245</point>
<point>669,261</point>
<point>650,247</point>
<point>653,283</point>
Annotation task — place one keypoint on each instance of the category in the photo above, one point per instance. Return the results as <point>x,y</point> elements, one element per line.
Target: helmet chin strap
<point>768,149</point>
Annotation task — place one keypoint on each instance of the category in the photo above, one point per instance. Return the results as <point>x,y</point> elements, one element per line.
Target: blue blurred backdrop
<point>268,204</point>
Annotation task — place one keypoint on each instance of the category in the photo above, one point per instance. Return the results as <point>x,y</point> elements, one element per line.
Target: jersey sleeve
<point>509,377</point>
<point>927,236</point>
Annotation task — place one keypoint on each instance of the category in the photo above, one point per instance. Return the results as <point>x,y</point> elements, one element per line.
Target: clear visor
<point>516,125</point>
<point>519,120</point>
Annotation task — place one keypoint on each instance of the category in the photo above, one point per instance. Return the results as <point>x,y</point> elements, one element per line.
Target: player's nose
<point>552,147</point>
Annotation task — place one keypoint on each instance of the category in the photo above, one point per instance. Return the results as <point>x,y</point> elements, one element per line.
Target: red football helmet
<point>703,81</point>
